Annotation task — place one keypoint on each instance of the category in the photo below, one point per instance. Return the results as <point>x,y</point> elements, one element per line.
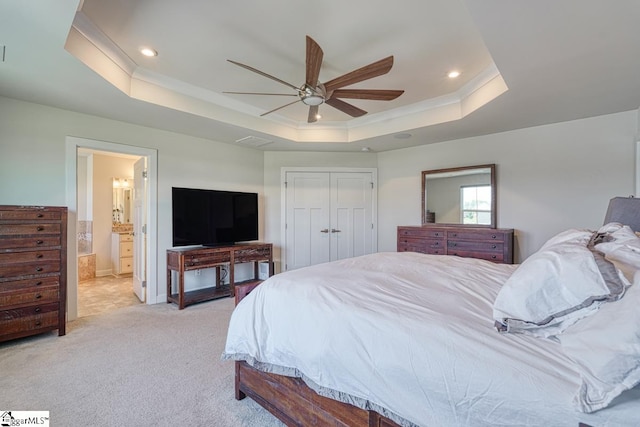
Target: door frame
<point>72,144</point>
<point>328,169</point>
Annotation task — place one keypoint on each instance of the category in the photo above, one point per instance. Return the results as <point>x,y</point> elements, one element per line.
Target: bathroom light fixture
<point>147,51</point>
<point>453,74</point>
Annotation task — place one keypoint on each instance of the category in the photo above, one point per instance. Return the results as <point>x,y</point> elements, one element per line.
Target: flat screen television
<point>213,217</point>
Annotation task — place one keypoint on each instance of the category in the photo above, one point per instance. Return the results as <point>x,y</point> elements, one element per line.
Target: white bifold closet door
<point>329,216</point>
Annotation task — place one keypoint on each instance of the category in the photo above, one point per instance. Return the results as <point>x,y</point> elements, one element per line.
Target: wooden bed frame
<point>292,401</point>
<point>295,404</point>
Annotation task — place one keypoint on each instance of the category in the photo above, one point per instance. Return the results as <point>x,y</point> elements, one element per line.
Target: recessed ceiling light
<point>453,74</point>
<point>147,51</point>
<point>402,136</point>
<point>366,149</point>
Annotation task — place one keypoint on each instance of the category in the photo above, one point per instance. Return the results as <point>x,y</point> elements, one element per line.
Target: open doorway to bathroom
<point>147,264</point>
<point>105,229</point>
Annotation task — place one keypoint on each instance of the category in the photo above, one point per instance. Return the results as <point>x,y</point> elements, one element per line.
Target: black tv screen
<point>213,217</point>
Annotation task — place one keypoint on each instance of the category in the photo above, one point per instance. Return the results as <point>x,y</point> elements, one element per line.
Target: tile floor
<point>104,294</point>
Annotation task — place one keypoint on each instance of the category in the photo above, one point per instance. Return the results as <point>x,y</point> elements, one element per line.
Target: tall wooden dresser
<point>33,270</point>
<point>493,244</point>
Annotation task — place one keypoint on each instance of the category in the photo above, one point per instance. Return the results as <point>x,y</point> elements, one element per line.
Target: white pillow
<point>622,247</point>
<point>606,350</point>
<point>555,287</point>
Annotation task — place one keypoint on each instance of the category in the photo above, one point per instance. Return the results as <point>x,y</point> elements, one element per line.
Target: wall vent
<point>253,141</point>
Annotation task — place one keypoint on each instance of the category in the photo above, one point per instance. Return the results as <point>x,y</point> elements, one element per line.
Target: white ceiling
<point>523,64</point>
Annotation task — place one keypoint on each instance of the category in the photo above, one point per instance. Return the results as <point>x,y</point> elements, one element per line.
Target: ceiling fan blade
<point>276,109</point>
<point>314,61</point>
<point>263,74</point>
<point>367,72</point>
<point>313,114</point>
<point>374,94</point>
<point>349,109</point>
<point>261,93</point>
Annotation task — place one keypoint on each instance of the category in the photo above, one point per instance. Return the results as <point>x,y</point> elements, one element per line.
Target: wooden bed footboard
<point>295,404</point>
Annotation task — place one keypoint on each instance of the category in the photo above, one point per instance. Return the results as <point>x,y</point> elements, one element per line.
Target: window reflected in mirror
<point>461,196</point>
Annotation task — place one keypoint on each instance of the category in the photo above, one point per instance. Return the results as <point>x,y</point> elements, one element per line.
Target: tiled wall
<point>85,237</point>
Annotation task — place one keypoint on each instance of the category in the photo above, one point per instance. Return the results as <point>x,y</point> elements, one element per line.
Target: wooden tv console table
<point>180,260</point>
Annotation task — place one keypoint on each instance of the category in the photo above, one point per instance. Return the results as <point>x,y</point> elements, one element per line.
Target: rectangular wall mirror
<point>461,196</point>
<point>122,201</point>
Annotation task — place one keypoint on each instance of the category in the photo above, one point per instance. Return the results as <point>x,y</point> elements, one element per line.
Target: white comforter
<point>411,336</point>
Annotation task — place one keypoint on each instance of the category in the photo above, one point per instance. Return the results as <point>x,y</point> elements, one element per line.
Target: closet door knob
<point>333,230</point>
<point>324,230</point>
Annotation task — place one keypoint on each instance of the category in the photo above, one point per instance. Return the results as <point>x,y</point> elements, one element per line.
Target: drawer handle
<point>436,234</point>
<point>38,296</point>
<point>40,228</point>
<point>39,242</point>
<point>39,268</point>
<point>38,323</point>
<point>39,256</point>
<point>455,234</point>
<point>493,246</point>
<point>40,215</point>
<point>494,237</point>
<point>493,256</point>
<point>454,244</point>
<point>38,283</point>
<point>37,310</point>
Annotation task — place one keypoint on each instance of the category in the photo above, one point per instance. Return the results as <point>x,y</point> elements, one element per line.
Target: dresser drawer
<point>489,256</point>
<point>126,237</point>
<point>35,283</point>
<point>126,265</point>
<point>42,267</point>
<point>476,235</point>
<point>29,229</point>
<point>30,215</point>
<point>421,232</point>
<point>206,259</point>
<point>16,321</point>
<point>29,256</point>
<point>470,245</point>
<point>126,249</point>
<point>30,242</point>
<point>251,254</point>
<point>31,296</point>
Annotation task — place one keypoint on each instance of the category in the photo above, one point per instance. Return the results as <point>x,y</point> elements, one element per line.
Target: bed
<point>427,340</point>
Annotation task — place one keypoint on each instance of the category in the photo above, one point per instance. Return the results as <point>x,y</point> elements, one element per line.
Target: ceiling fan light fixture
<point>312,99</point>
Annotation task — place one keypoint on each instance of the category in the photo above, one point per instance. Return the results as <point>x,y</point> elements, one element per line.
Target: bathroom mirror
<point>461,196</point>
<point>122,209</point>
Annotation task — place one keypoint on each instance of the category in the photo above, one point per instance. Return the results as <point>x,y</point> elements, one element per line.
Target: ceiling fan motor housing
<point>310,96</point>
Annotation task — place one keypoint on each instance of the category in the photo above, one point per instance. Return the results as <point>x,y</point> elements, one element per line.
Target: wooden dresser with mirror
<point>459,216</point>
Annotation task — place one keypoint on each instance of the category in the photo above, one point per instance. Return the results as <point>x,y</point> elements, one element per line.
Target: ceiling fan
<point>313,93</point>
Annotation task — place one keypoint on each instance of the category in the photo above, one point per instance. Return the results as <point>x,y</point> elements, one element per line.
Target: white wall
<point>550,178</point>
<point>32,165</point>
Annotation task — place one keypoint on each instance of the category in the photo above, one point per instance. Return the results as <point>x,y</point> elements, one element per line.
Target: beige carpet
<point>135,366</point>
